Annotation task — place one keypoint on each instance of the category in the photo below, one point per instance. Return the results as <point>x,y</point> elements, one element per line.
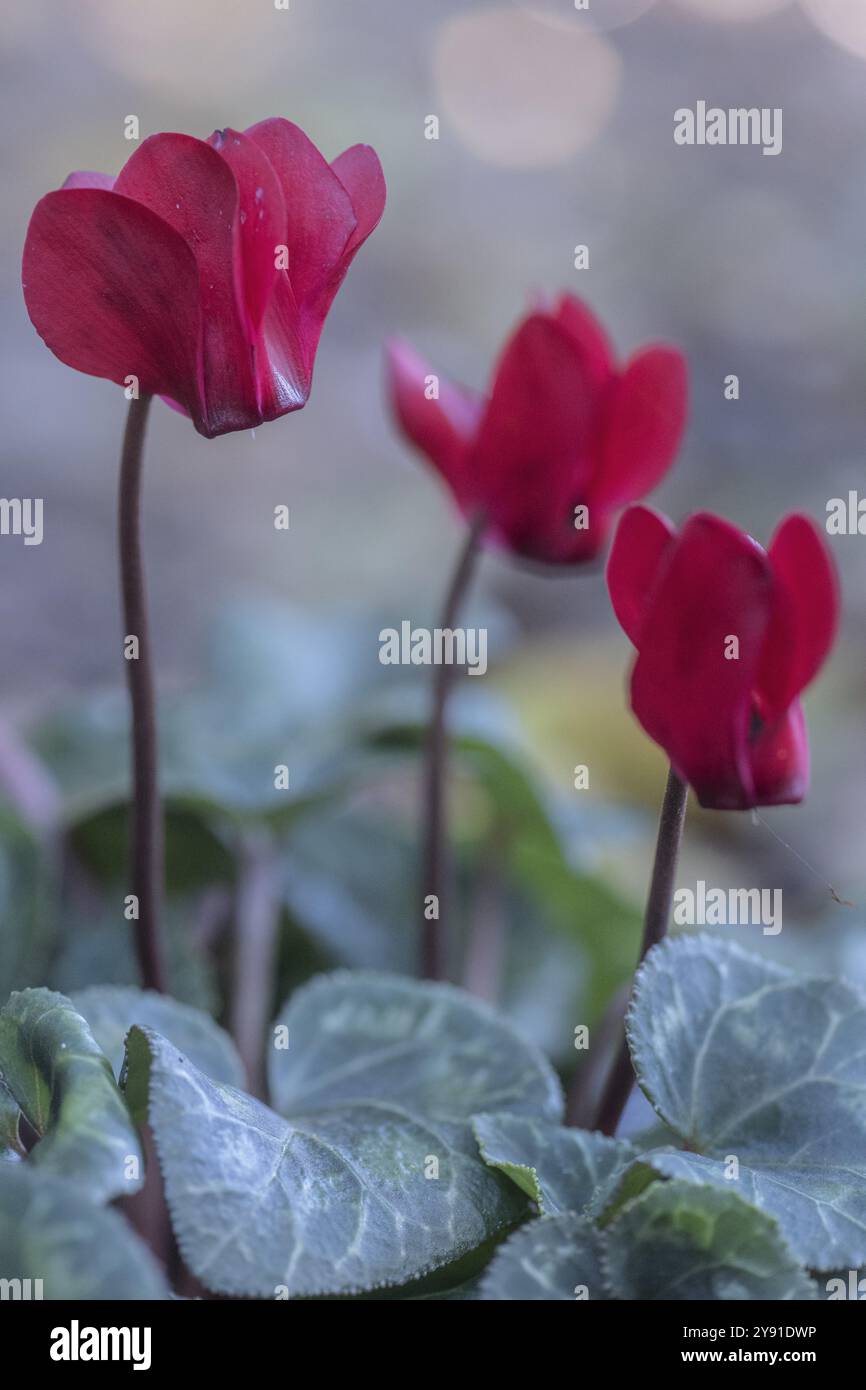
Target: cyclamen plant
<point>539,469</point>
<point>412,1143</point>
<point>203,273</point>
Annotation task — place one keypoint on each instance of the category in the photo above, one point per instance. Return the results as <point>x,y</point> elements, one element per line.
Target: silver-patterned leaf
<point>556,1259</point>
<point>371,1177</point>
<point>560,1169</point>
<point>677,1241</point>
<point>62,1081</point>
<point>433,1048</point>
<point>763,1074</point>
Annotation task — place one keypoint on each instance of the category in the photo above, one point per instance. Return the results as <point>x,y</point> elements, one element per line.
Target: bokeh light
<point>132,41</point>
<point>735,11</point>
<point>521,93</point>
<point>841,20</point>
<point>601,15</point>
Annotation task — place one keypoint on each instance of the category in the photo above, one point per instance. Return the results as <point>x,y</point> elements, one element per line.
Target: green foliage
<point>408,1145</point>
<point>62,1083</point>
<point>367,1173</point>
<point>678,1241</point>
<point>793,1127</point>
<point>50,1231</point>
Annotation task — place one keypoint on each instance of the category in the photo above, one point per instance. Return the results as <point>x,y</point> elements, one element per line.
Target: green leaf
<point>378,1082</point>
<point>556,1259</point>
<point>560,1169</point>
<point>10,1115</point>
<point>470,1292</point>
<point>270,683</point>
<point>96,947</point>
<point>110,1012</point>
<point>677,1241</point>
<point>746,1061</point>
<point>195,855</point>
<point>349,880</point>
<point>49,1231</point>
<point>27,905</point>
<point>432,1047</point>
<point>540,830</point>
<point>63,1084</point>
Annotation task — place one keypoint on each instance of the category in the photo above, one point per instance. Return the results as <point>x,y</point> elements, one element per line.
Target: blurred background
<point>556,128</point>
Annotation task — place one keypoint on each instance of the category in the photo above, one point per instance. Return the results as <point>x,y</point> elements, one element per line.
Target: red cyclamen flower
<point>175,271</point>
<point>564,427</point>
<point>726,712</point>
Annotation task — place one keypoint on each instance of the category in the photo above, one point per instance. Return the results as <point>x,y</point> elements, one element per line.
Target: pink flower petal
<point>780,760</point>
<point>689,694</point>
<point>113,290</point>
<point>533,458</point>
<point>194,190</point>
<point>360,173</point>
<point>642,541</point>
<point>645,415</point>
<point>262,218</point>
<point>441,428</point>
<point>805,615</point>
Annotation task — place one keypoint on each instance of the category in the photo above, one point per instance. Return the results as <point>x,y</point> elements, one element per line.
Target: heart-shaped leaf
<point>560,1169</point>
<point>431,1047</point>
<point>373,1177</point>
<point>66,1246</point>
<point>62,1082</point>
<point>762,1074</point>
<point>111,1010</point>
<point>678,1241</point>
<point>556,1259</point>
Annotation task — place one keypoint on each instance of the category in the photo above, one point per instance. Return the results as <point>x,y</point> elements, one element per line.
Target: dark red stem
<point>434,869</point>
<point>620,1079</point>
<point>145,821</point>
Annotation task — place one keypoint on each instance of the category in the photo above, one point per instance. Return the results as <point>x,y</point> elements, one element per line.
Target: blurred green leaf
<point>49,1231</point>
<point>96,948</point>
<point>111,1011</point>
<point>272,694</point>
<point>681,1242</point>
<point>539,834</point>
<point>10,1115</point>
<point>195,856</point>
<point>28,905</point>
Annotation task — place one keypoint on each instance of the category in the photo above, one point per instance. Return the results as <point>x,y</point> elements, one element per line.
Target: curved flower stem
<point>145,825</point>
<point>617,1088</point>
<point>434,930</point>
